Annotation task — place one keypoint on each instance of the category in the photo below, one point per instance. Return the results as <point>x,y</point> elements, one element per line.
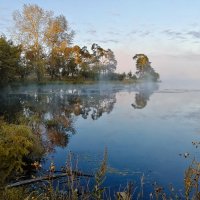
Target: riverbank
<point>76,82</point>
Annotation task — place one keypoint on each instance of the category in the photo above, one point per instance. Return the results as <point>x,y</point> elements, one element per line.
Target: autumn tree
<point>72,59</point>
<point>30,26</point>
<point>144,69</point>
<point>58,38</point>
<point>78,61</point>
<point>46,42</point>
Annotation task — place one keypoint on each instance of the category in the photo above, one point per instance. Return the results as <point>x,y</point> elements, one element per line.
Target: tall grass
<point>72,186</point>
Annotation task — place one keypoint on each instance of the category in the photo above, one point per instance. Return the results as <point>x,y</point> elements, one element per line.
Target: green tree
<point>98,60</point>
<point>103,60</point>
<point>9,60</point>
<point>24,68</point>
<point>122,76</point>
<point>130,75</point>
<point>110,62</point>
<point>72,67</point>
<point>85,70</point>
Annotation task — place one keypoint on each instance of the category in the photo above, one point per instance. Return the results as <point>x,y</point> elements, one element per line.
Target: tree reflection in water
<point>52,113</point>
<point>144,91</point>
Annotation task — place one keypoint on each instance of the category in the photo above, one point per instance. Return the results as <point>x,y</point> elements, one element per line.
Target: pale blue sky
<point>168,31</point>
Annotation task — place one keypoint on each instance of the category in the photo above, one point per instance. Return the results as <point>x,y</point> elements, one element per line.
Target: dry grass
<point>73,187</point>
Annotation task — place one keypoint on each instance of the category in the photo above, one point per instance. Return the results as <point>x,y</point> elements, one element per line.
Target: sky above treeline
<point>167,31</point>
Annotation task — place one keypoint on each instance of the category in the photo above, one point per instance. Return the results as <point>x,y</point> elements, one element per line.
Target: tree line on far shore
<point>42,47</point>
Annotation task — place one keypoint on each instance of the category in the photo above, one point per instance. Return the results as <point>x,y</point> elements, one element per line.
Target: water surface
<point>145,127</point>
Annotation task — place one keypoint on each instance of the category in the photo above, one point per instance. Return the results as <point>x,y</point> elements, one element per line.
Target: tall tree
<point>30,26</point>
<point>104,60</point>
<point>144,69</point>
<point>142,64</point>
<point>97,60</point>
<point>58,37</point>
<point>86,59</point>
<point>9,60</point>
<point>110,61</point>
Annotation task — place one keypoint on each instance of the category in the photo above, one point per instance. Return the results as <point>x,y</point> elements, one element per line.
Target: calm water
<point>144,127</point>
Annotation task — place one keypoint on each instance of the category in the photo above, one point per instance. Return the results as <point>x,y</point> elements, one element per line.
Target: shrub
<point>17,142</point>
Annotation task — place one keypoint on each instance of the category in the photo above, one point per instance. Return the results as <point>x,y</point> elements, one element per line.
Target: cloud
<point>194,24</point>
<point>4,8</point>
<point>92,32</point>
<point>113,33</point>
<point>115,14</point>
<point>169,32</point>
<point>109,41</point>
<point>145,33</point>
<point>190,56</point>
<point>195,34</point>
<point>174,34</point>
<point>183,35</point>
<point>132,32</point>
<point>196,42</point>
<point>87,40</point>
<point>139,33</point>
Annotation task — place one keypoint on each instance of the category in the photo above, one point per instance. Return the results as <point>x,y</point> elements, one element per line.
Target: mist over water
<point>145,127</point>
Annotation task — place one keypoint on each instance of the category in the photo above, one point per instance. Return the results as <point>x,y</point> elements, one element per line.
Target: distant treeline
<point>42,48</point>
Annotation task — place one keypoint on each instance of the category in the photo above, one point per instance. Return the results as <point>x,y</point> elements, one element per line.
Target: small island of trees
<point>144,69</point>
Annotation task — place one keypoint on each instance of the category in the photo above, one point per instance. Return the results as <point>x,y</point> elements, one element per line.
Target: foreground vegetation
<point>18,147</point>
<point>73,187</point>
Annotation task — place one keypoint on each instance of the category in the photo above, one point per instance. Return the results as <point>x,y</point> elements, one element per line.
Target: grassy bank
<point>72,82</point>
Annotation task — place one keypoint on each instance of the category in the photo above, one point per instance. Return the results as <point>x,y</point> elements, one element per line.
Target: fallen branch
<point>49,177</point>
